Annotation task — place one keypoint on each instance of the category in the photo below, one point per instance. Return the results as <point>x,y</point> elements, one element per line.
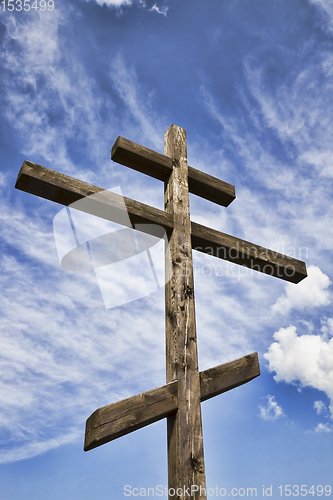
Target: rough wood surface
<point>120,418</point>
<point>65,190</point>
<point>224,246</point>
<point>210,188</point>
<point>159,166</point>
<point>128,415</point>
<point>141,159</point>
<point>227,376</point>
<point>185,441</point>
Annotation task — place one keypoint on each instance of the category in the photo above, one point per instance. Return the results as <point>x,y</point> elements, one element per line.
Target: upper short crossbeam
<point>160,166</point>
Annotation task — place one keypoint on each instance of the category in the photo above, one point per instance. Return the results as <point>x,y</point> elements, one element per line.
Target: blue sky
<point>252,84</point>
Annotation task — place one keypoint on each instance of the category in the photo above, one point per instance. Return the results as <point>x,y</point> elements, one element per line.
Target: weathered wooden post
<point>179,400</point>
<point>186,467</point>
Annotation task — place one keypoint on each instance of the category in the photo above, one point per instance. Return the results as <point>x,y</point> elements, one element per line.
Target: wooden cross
<point>179,400</point>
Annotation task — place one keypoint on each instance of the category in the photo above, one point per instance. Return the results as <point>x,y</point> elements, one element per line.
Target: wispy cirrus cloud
<point>326,7</point>
<point>62,353</point>
<point>113,3</point>
<point>283,141</point>
<point>159,10</point>
<point>138,102</point>
<point>127,3</point>
<point>42,88</point>
<point>297,109</point>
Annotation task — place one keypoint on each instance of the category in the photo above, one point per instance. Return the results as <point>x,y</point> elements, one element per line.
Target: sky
<point>251,81</point>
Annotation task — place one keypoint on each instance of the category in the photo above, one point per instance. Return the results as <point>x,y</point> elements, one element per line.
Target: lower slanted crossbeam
<point>117,419</point>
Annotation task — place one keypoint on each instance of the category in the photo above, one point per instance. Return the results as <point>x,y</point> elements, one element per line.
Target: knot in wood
<point>196,465</point>
<point>171,316</point>
<point>188,291</point>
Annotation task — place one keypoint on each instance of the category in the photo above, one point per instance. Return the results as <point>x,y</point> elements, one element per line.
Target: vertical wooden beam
<point>186,469</point>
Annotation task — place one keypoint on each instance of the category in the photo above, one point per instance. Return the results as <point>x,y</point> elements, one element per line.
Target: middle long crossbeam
<point>66,190</point>
<point>118,419</point>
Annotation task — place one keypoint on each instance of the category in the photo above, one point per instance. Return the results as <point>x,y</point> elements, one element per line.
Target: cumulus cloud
<point>311,292</point>
<point>319,406</point>
<point>305,360</point>
<point>323,428</point>
<point>272,411</point>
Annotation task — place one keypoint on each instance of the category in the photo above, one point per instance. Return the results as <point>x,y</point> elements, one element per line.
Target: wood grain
<point>247,254</point>
<point>227,376</point>
<point>121,418</point>
<point>128,415</point>
<point>160,166</point>
<point>185,440</point>
<point>141,159</point>
<point>63,189</point>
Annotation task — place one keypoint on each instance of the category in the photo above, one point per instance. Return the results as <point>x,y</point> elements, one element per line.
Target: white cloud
<point>319,406</point>
<point>326,328</point>
<point>128,3</point>
<point>309,293</point>
<point>323,428</point>
<point>113,3</point>
<point>305,360</point>
<point>272,411</point>
<point>162,10</point>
